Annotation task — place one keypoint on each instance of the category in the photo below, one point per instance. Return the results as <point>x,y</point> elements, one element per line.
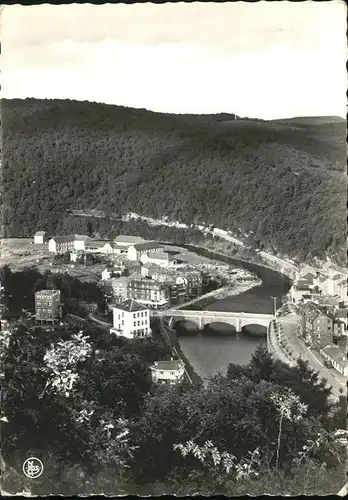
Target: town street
<point>288,324</point>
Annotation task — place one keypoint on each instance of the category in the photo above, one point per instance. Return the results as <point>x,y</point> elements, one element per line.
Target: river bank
<point>211,351</point>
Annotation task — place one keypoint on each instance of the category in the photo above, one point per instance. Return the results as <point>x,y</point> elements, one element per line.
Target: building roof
<point>47,293</point>
<point>303,282</point>
<point>116,246</point>
<point>122,280</point>
<point>147,245</point>
<point>97,244</point>
<point>341,312</point>
<point>63,239</point>
<point>336,353</point>
<point>40,233</point>
<point>159,255</point>
<point>131,305</point>
<point>128,239</point>
<point>338,277</point>
<point>149,283</point>
<point>82,237</point>
<point>308,276</point>
<point>173,365</point>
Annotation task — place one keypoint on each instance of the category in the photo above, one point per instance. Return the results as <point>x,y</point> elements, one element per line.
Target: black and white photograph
<point>173,252</point>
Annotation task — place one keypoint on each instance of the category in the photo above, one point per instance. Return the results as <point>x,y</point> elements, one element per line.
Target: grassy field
<point>21,252</point>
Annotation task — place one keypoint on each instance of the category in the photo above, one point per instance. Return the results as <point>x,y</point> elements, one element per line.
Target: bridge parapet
<point>202,318</point>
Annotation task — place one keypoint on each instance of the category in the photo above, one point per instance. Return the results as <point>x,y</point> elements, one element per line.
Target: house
<point>341,320</point>
<point>80,241</point>
<point>133,268</point>
<point>330,269</point>
<point>47,306</point>
<point>316,326</point>
<point>118,288</point>
<point>40,237</point>
<point>303,289</point>
<point>103,247</point>
<point>149,292</point>
<point>168,372</point>
<point>131,320</point>
<point>62,244</point>
<point>337,357</point>
<point>305,270</point>
<point>126,241</point>
<point>111,272</point>
<point>136,251</point>
<point>162,259</point>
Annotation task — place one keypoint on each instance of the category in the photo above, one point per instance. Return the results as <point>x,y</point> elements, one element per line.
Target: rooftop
<point>82,237</point>
<point>159,255</point>
<point>128,239</point>
<point>341,312</point>
<point>131,305</point>
<point>336,353</point>
<point>147,245</point>
<point>47,293</point>
<point>173,365</point>
<point>40,233</point>
<point>97,244</point>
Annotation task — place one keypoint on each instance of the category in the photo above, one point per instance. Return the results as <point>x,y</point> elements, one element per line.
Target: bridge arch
<point>220,327</point>
<point>255,329</point>
<point>185,323</point>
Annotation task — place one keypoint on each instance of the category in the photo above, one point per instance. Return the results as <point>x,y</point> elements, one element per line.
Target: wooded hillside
<point>284,180</point>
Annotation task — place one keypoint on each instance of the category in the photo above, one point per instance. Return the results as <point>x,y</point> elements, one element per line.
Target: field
<point>21,252</point>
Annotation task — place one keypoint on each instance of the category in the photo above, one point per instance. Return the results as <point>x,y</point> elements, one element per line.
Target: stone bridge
<point>202,318</point>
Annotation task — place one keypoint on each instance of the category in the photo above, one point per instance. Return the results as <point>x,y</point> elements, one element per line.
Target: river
<point>211,351</point>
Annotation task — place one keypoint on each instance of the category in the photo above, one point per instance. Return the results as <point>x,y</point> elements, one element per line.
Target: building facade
<point>40,237</point>
<point>131,320</point>
<point>149,292</point>
<point>168,372</point>
<point>162,259</point>
<point>315,326</point>
<point>126,241</point>
<point>47,306</point>
<point>337,357</point>
<point>136,251</point>
<point>69,243</point>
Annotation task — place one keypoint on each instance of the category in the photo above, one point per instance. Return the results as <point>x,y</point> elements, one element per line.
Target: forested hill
<point>284,180</point>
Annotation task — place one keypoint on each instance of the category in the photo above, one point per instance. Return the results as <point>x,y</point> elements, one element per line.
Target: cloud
<point>264,59</point>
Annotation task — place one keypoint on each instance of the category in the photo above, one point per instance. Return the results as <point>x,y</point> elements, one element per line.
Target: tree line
<point>280,182</point>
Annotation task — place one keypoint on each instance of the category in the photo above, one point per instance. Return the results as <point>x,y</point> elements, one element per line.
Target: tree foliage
<point>283,180</point>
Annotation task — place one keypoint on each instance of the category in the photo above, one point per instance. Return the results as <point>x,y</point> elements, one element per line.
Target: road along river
<point>212,350</point>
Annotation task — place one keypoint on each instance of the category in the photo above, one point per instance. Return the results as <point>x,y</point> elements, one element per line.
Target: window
<point>122,322</point>
<point>135,323</point>
<point>138,323</point>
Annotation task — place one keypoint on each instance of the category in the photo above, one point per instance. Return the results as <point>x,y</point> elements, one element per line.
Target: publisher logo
<point>33,468</point>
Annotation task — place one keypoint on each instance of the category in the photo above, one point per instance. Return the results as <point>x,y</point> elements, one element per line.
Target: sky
<point>265,59</point>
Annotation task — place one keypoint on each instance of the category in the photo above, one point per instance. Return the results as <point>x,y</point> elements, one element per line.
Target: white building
<point>68,243</point>
<point>103,247</point>
<point>136,251</point>
<point>131,320</point>
<point>126,241</point>
<point>80,241</point>
<point>111,272</point>
<point>162,259</point>
<point>168,372</point>
<point>39,237</point>
<point>337,357</point>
